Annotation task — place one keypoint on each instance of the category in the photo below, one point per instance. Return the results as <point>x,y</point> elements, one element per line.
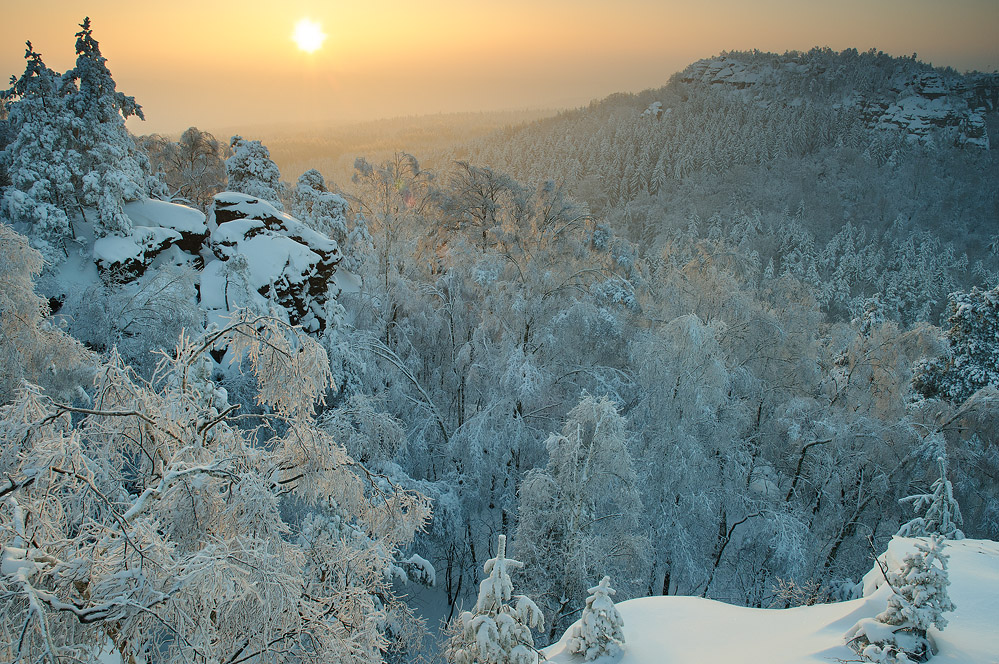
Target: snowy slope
<point>691,630</point>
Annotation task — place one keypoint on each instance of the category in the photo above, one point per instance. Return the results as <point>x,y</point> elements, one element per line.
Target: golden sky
<point>229,64</point>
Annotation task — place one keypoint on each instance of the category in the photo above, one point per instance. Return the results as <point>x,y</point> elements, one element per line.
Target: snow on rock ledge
<point>156,226</point>
<point>283,262</point>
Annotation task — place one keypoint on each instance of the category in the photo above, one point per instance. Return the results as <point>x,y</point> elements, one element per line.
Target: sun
<point>308,35</point>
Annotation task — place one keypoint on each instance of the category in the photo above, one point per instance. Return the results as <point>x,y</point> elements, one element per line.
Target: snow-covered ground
<point>691,630</point>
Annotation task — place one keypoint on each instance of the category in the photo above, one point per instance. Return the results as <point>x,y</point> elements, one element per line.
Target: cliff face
<point>890,93</point>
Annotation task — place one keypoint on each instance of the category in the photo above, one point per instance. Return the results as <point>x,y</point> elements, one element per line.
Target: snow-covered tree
<point>32,348</point>
<point>320,208</point>
<point>252,172</point>
<point>918,601</point>
<point>111,171</point>
<point>71,155</point>
<point>581,513</point>
<point>192,168</point>
<point>41,160</point>
<point>496,632</point>
<point>155,525</point>
<point>941,513</point>
<point>973,340</point>
<point>600,630</point>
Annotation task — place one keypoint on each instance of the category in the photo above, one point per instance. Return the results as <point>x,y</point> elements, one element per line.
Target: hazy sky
<point>232,64</point>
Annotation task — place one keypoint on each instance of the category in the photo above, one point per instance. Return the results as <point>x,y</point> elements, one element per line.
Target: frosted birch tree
<point>152,523</point>
<point>581,512</point>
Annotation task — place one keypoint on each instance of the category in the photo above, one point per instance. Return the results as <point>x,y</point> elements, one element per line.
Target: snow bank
<point>691,630</point>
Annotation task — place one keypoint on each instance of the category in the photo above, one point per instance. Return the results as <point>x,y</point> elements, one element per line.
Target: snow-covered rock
<point>923,102</point>
<point>155,226</point>
<point>929,102</point>
<point>283,261</point>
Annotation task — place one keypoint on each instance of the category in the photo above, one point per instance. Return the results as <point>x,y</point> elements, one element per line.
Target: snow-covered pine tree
<point>918,601</point>
<point>252,172</point>
<point>973,338</point>
<point>110,170</point>
<point>41,159</point>
<point>942,513</point>
<point>600,630</point>
<point>496,632</point>
<point>71,150</point>
<point>319,207</point>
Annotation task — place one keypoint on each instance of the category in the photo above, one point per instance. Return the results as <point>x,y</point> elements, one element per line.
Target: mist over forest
<point>448,388</point>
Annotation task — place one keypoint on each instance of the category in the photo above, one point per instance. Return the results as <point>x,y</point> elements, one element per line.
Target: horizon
<point>395,61</point>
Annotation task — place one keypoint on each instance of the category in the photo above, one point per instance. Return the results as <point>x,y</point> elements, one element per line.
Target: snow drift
<point>692,630</point>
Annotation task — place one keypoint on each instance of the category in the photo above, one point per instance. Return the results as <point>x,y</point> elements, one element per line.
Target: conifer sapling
<point>599,632</point>
<point>496,632</point>
<point>918,601</point>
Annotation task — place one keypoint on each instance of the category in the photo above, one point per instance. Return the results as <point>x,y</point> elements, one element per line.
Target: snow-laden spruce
<point>252,172</point>
<point>71,154</point>
<point>600,630</point>
<point>496,632</point>
<point>972,361</point>
<point>942,514</point>
<point>918,601</point>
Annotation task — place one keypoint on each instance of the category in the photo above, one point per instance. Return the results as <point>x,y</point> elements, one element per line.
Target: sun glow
<point>308,35</point>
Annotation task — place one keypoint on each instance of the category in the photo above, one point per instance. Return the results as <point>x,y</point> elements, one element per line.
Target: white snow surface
<point>692,630</point>
<point>150,212</point>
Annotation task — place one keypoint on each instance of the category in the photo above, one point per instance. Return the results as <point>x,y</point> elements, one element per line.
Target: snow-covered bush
<point>918,601</point>
<point>599,632</point>
<point>32,349</point>
<point>495,632</point>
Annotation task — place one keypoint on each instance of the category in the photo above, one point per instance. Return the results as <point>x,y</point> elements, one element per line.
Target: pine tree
<point>918,601</point>
<point>71,149</point>
<point>942,513</point>
<point>973,338</point>
<point>41,159</point>
<point>496,632</point>
<point>252,172</point>
<point>111,171</point>
<point>599,632</point>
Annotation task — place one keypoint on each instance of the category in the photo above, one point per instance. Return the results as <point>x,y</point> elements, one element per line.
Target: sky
<point>231,65</point>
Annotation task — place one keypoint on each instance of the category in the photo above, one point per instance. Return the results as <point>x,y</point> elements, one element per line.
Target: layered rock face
<point>249,255</point>
<point>278,259</point>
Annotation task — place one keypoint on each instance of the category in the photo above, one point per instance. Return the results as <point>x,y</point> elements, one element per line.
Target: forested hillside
<point>867,173</point>
<point>703,339</point>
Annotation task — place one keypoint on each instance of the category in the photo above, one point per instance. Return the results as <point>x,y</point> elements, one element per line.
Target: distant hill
<point>830,151</point>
